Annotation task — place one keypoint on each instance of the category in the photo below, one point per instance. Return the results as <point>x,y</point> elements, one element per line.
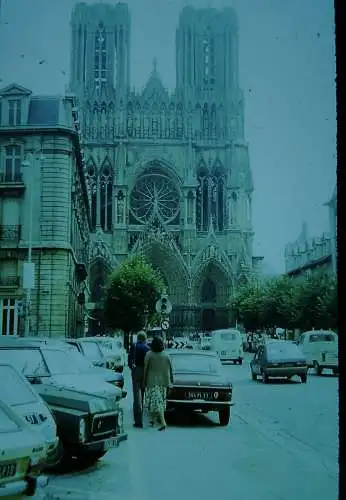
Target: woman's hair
<point>157,344</point>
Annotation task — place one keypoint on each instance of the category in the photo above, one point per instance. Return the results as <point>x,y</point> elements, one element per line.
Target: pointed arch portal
<point>212,294</point>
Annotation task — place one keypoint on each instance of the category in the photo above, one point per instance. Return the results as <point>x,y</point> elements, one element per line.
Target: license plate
<point>111,443</point>
<point>198,395</point>
<point>8,470</point>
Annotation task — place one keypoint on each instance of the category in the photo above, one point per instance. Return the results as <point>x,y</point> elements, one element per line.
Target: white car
<point>23,455</point>
<point>113,348</point>
<point>19,394</point>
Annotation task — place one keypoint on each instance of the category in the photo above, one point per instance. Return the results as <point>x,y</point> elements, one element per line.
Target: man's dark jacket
<point>137,354</point>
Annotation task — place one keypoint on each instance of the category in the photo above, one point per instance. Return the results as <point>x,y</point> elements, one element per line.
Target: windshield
<point>60,362</point>
<point>27,361</point>
<point>322,337</point>
<point>13,390</point>
<point>185,363</point>
<point>6,423</point>
<point>82,363</point>
<point>277,350</point>
<point>92,350</point>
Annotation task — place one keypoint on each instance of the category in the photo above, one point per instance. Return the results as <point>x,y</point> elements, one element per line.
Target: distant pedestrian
<point>158,378</point>
<point>136,357</point>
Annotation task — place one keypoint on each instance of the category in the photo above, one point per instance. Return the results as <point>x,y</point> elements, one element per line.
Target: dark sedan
<point>200,384</point>
<point>279,358</point>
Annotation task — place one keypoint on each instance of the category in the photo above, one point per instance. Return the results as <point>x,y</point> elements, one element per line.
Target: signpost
<point>164,308</point>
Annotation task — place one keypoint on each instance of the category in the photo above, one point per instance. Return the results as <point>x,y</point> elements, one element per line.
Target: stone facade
<point>40,150</point>
<point>168,172</point>
<point>309,255</point>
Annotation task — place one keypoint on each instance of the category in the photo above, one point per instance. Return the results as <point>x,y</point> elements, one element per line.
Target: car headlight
<point>82,430</point>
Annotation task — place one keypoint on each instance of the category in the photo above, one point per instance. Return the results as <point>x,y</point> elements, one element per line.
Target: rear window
<point>287,350</point>
<point>13,390</point>
<point>322,337</point>
<point>185,363</point>
<point>228,336</point>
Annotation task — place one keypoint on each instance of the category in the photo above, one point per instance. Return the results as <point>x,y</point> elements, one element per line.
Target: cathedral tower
<point>100,55</point>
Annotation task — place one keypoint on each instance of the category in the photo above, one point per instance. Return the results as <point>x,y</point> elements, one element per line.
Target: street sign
<point>165,324</point>
<point>163,306</point>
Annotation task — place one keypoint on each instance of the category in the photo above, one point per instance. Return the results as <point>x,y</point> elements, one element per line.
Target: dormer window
<point>14,112</point>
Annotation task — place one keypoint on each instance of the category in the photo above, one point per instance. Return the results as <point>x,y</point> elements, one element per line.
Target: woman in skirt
<point>158,377</point>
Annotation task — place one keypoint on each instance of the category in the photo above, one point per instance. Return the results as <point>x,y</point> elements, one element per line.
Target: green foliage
<point>131,293</point>
<point>284,302</point>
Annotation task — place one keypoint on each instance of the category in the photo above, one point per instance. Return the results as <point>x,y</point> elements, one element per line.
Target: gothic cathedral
<point>168,172</point>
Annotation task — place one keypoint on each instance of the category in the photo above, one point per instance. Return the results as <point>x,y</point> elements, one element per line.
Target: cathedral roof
<point>154,87</point>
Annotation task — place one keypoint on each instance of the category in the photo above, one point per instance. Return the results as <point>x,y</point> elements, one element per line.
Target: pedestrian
<point>136,357</point>
<point>158,378</point>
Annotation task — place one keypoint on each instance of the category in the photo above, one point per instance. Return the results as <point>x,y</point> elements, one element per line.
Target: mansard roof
<point>44,111</point>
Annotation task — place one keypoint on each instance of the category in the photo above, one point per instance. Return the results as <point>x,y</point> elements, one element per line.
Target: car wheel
<point>318,369</point>
<point>240,361</point>
<point>224,416</point>
<point>253,376</point>
<point>265,378</point>
<point>304,378</point>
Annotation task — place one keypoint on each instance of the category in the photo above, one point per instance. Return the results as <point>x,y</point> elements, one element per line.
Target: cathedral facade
<point>168,172</point>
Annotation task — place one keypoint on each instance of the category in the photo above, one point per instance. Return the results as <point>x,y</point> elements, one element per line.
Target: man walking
<point>136,364</point>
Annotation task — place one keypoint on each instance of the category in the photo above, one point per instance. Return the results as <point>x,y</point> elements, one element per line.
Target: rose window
<point>154,194</point>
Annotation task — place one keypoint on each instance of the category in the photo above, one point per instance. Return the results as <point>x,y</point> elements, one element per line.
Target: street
<point>281,444</point>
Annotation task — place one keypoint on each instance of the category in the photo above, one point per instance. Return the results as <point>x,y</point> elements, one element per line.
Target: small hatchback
<point>279,359</point>
<point>321,350</point>
<point>22,456</point>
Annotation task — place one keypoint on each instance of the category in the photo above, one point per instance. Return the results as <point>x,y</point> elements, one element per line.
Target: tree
<point>247,306</point>
<point>131,294</point>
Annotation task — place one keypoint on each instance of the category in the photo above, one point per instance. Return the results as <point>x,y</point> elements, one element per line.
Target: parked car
<point>87,410</point>
<point>107,375</point>
<point>82,362</point>
<point>113,350</point>
<point>18,393</point>
<point>279,358</point>
<point>200,384</point>
<point>321,348</point>
<point>91,350</point>
<point>22,455</point>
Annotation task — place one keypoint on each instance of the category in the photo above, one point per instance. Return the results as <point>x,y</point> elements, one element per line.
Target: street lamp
<point>29,284</point>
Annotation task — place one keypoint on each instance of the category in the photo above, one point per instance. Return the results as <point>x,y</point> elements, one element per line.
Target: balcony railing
<point>11,178</point>
<point>9,281</point>
<point>10,233</point>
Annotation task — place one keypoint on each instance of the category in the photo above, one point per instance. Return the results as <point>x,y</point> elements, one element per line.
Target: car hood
<point>38,416</point>
<point>80,392</point>
<point>203,379</point>
<point>103,373</point>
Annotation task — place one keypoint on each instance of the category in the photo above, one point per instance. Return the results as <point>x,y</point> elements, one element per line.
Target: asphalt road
<point>281,444</point>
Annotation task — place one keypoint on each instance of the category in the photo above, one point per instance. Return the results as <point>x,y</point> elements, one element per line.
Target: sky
<point>287,71</point>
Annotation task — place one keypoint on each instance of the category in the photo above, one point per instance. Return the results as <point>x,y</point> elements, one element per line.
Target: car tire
<point>304,378</point>
<point>240,361</point>
<point>265,378</point>
<point>224,416</point>
<point>253,376</point>
<point>317,368</point>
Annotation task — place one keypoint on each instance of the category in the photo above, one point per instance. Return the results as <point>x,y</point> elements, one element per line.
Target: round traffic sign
<point>165,324</point>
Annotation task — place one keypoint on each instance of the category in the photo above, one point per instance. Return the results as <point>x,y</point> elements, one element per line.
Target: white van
<point>320,348</point>
<point>228,344</point>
